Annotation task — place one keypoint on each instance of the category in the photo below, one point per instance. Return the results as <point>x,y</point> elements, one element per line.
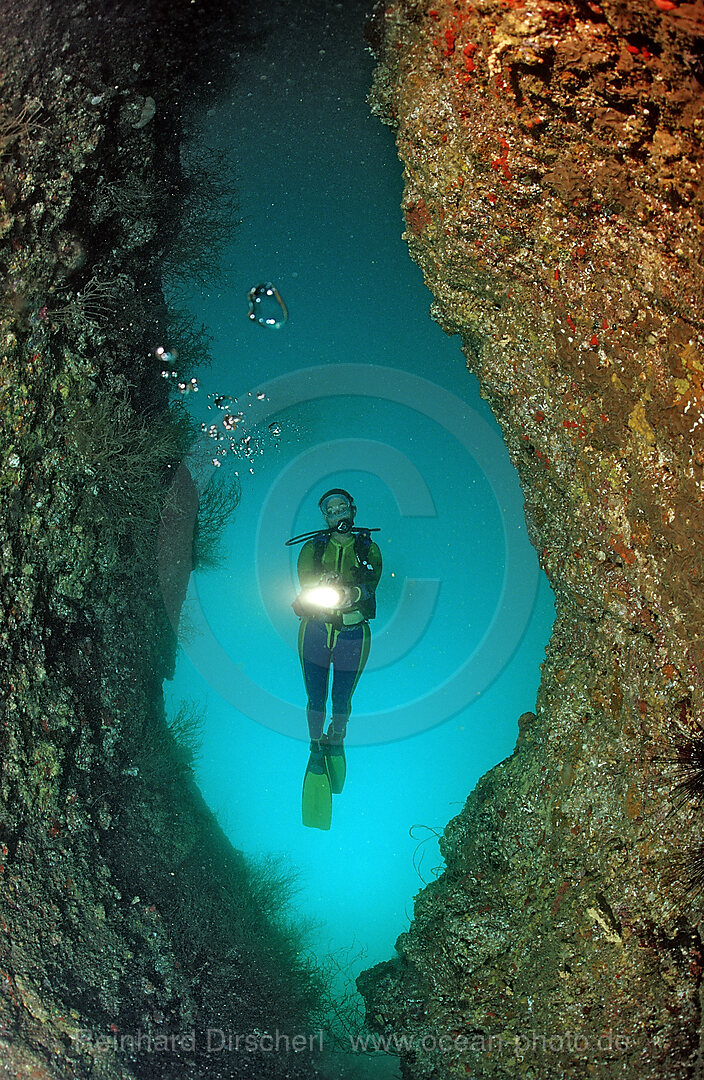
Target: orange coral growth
<point>620,548</point>
<point>417,217</point>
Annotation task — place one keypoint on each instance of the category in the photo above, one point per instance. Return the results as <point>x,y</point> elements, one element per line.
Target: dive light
<point>324,597</point>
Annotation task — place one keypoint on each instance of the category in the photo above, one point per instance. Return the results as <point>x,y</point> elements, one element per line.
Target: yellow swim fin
<point>317,794</point>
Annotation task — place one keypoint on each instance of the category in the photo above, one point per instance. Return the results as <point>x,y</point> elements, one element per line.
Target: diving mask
<point>338,510</point>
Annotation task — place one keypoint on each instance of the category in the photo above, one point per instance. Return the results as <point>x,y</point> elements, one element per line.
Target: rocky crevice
<point>553,197</point>
<point>125,914</point>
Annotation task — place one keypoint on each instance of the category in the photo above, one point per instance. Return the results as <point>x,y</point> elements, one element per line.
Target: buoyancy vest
<point>366,605</point>
<point>361,574</point>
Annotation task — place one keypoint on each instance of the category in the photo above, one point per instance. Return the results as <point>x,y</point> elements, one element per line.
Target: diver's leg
<point>349,656</point>
<point>314,653</point>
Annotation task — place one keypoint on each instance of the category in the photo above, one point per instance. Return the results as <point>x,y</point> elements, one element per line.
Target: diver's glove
<point>348,595</point>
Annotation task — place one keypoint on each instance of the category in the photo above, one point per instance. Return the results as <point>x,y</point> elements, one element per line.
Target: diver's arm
<point>371,577</point>
<point>307,573</point>
<point>308,578</point>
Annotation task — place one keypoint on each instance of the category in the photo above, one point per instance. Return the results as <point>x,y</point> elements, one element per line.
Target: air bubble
<point>266,306</point>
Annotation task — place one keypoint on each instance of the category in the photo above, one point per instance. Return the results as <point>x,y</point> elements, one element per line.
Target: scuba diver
<point>338,568</point>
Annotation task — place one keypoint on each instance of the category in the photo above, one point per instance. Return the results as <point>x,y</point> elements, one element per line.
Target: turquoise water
<point>370,395</point>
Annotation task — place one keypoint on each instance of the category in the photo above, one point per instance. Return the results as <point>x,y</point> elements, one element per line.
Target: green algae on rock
<point>125,912</point>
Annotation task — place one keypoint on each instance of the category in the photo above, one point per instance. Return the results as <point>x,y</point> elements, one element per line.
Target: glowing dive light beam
<point>323,596</point>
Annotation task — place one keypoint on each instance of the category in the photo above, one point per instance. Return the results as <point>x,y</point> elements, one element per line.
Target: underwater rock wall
<point>128,923</point>
<point>553,199</point>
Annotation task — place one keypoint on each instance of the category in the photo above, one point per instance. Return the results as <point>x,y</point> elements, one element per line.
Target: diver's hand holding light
<point>329,594</point>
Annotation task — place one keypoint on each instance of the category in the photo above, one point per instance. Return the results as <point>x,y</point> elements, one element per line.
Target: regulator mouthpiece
<point>344,525</point>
